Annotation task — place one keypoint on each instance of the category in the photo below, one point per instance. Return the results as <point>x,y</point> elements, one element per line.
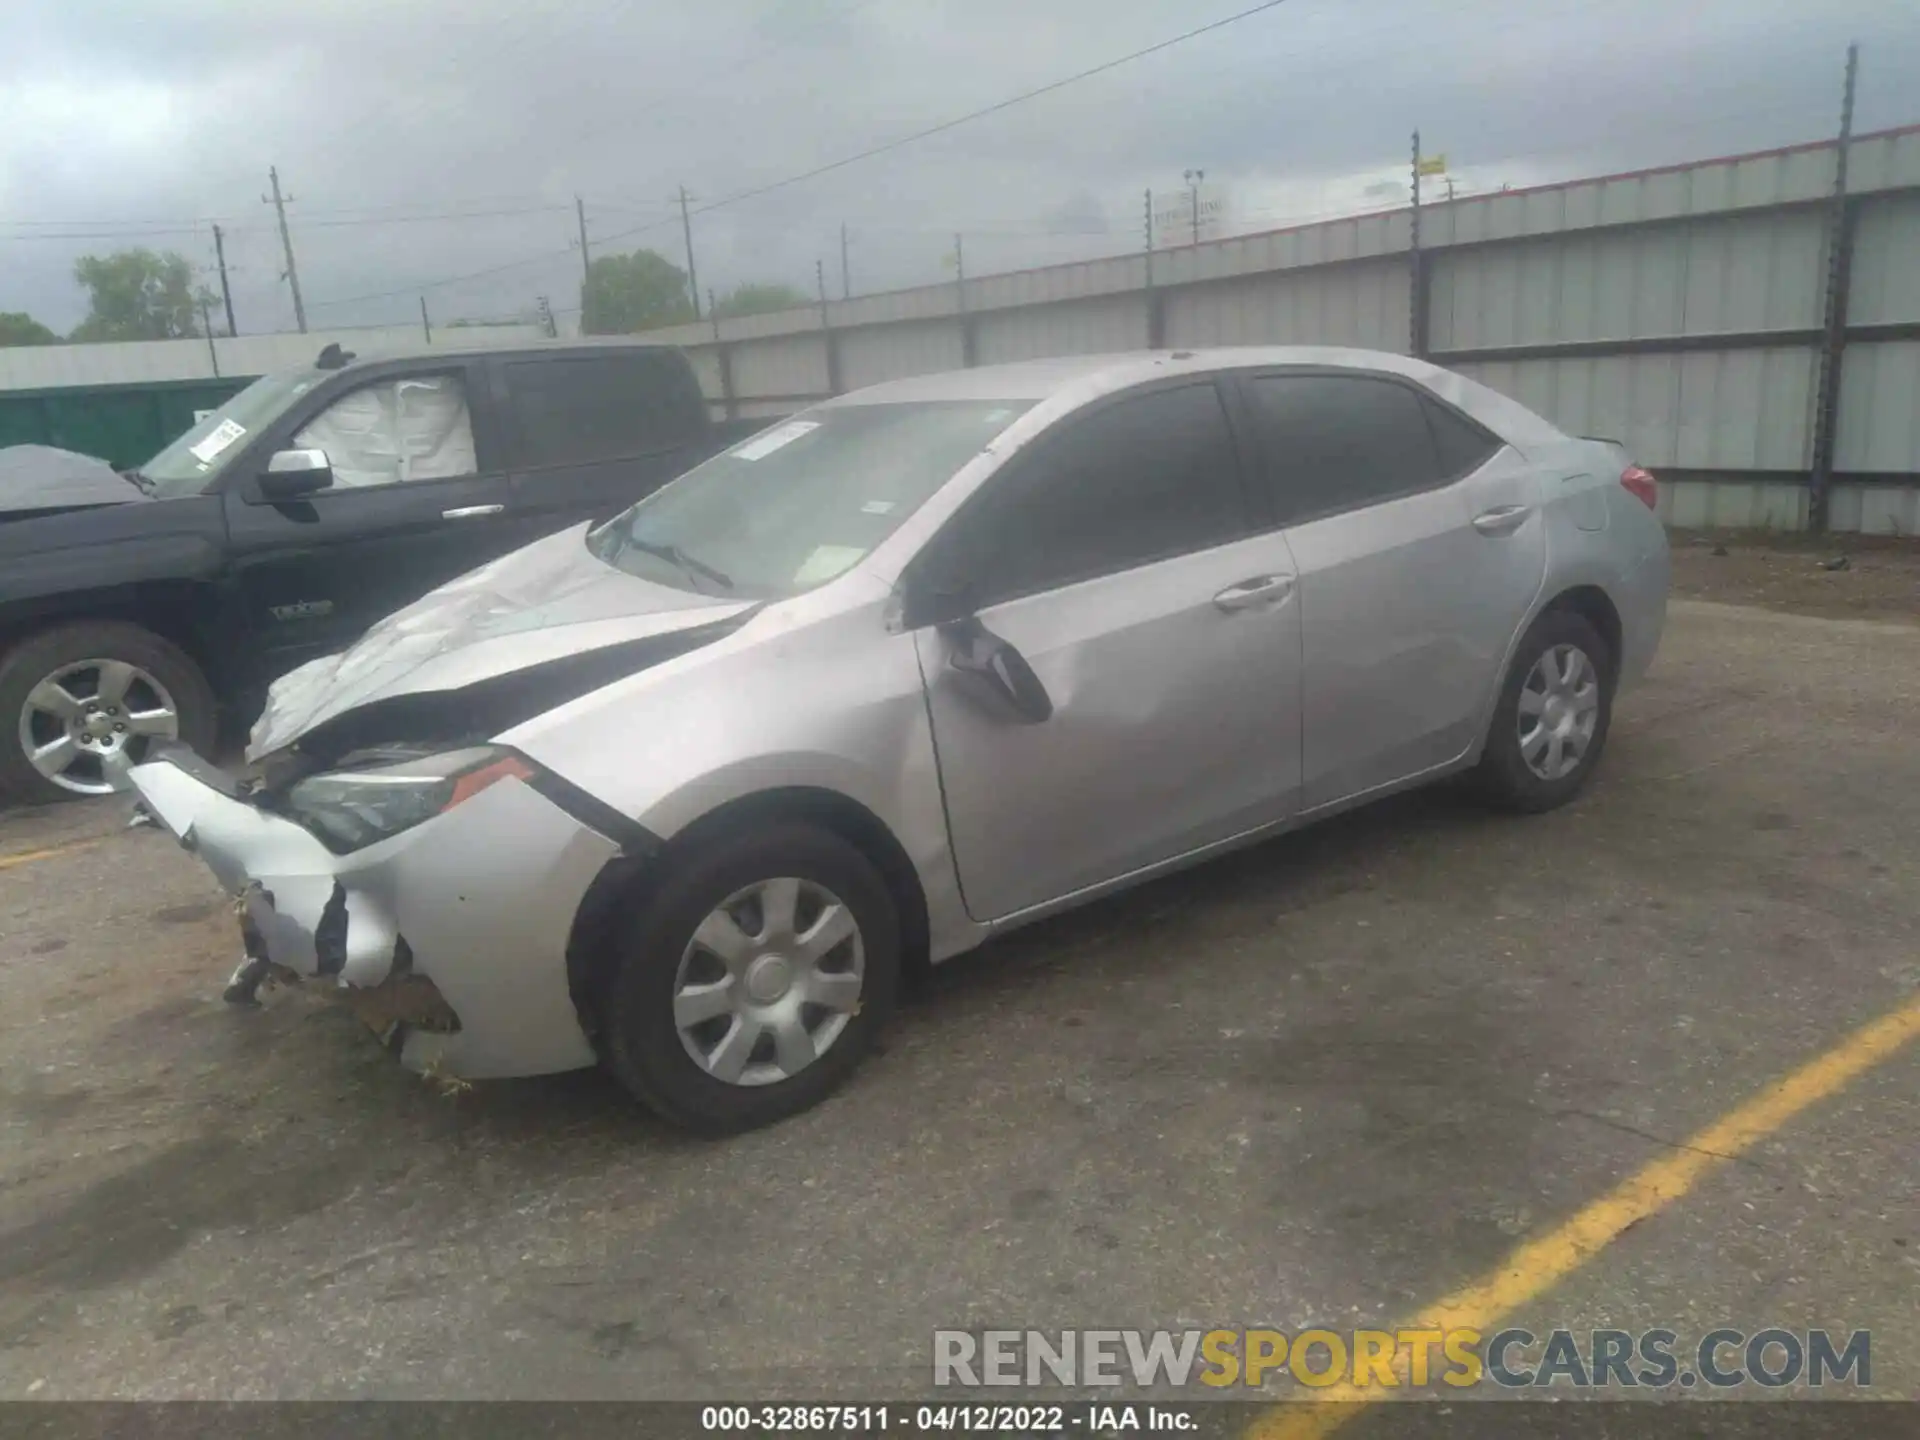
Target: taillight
<point>1644,487</point>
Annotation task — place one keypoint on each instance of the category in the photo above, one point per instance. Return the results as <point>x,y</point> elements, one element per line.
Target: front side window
<point>413,428</point>
<point>798,504</point>
<point>193,462</point>
<point>1138,480</point>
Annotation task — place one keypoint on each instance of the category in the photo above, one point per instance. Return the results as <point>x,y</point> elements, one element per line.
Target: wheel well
<point>1591,604</point>
<point>176,611</point>
<point>627,881</point>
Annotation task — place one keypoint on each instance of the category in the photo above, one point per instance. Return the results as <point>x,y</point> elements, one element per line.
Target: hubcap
<point>87,723</point>
<point>1559,707</point>
<point>769,981</point>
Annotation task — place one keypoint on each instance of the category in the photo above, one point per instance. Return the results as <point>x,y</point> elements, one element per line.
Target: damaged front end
<point>382,843</point>
<point>448,936</point>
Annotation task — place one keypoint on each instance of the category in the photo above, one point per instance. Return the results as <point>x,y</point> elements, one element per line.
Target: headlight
<point>351,809</point>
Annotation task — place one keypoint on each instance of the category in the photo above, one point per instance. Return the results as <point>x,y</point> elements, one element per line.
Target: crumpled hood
<point>40,478</point>
<point>547,602</point>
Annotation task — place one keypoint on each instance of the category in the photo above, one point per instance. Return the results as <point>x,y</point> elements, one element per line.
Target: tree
<point>758,299</point>
<point>625,293</point>
<point>19,328</point>
<point>137,295</point>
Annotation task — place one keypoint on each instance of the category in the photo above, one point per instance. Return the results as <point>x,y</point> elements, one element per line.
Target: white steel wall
<point>1363,305</point>
<point>44,367</point>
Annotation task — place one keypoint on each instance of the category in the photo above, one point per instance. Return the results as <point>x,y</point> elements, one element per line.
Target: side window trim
<point>1246,489</point>
<point>1242,382</point>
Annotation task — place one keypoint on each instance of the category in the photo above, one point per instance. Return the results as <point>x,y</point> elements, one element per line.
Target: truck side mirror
<point>292,474</point>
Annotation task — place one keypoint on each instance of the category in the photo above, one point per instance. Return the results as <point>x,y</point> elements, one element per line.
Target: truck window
<point>602,407</point>
<point>415,427</point>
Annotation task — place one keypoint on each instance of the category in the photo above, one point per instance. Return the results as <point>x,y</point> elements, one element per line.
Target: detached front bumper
<point>474,907</point>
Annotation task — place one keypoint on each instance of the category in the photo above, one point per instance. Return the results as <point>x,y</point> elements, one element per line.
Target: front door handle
<point>1260,590</point>
<point>470,512</point>
<point>1502,519</point>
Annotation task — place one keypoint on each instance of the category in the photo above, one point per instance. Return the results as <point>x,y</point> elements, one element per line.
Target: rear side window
<point>602,407</point>
<point>1463,445</point>
<point>1335,442</point>
<point>1139,480</point>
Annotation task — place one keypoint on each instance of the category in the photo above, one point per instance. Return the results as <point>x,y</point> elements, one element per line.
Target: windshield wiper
<point>674,555</point>
<point>140,482</point>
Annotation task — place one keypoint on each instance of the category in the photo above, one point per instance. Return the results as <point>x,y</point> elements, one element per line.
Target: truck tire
<point>80,703</point>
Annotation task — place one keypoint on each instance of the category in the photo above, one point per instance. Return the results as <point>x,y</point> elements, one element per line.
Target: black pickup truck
<point>143,605</point>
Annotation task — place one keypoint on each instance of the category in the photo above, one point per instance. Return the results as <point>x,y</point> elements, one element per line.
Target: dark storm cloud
<point>170,113</point>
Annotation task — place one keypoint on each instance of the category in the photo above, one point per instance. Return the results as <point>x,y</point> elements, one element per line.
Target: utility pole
<point>586,265</point>
<point>846,275</point>
<point>1840,227</point>
<point>426,325</point>
<point>280,203</point>
<point>713,314</point>
<point>686,229</point>
<point>226,291</point>
<point>1194,177</point>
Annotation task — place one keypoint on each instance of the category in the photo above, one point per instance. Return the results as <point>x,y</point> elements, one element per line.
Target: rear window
<point>602,407</point>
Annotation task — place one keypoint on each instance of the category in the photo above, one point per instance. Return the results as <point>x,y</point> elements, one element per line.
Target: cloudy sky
<point>429,140</point>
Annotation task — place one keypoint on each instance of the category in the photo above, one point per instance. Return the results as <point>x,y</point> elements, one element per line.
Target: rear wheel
<point>754,978</point>
<point>82,703</point>
<point>1550,723</point>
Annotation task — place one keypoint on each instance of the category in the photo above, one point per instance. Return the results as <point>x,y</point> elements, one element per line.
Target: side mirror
<point>291,474</point>
<point>993,674</point>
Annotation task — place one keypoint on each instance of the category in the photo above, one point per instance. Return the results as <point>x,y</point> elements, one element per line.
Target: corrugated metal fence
<point>1679,310</point>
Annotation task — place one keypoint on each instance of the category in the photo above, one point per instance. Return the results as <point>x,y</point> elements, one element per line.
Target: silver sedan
<point>686,794</point>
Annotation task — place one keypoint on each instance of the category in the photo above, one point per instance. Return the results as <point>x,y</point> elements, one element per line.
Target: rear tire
<point>1551,720</point>
<point>142,688</point>
<point>730,890</point>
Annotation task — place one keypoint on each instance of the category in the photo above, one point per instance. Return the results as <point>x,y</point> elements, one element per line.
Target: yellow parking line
<point>1541,1263</point>
<point>27,857</point>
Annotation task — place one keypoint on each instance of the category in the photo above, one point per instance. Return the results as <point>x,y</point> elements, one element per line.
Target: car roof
<point>1076,379</point>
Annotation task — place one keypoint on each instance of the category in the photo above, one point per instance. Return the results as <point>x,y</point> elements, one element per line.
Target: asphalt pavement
<point>1318,1083</point>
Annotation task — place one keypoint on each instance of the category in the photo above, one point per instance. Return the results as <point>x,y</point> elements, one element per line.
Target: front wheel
<point>82,703</point>
<point>1550,722</point>
<point>754,978</point>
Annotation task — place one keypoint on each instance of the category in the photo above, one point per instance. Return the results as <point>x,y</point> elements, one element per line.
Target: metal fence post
<point>1840,228</point>
<point>1416,269</point>
<point>723,355</point>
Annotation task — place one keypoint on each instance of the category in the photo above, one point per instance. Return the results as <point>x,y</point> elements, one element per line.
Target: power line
<point>972,115</point>
<point>869,153</point>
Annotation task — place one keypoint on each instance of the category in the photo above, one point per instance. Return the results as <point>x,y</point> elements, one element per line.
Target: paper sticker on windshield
<point>763,445</point>
<point>877,507</point>
<point>825,562</point>
<point>222,435</point>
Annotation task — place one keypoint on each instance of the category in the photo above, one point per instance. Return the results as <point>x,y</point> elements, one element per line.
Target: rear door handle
<point>1260,590</point>
<point>470,512</point>
<point>1502,519</point>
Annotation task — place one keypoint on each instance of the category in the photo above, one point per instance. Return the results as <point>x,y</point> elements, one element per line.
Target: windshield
<point>195,460</point>
<point>800,503</point>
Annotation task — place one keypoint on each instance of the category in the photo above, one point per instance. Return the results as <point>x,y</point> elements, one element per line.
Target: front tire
<point>1551,720</point>
<point>83,702</point>
<point>754,978</point>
